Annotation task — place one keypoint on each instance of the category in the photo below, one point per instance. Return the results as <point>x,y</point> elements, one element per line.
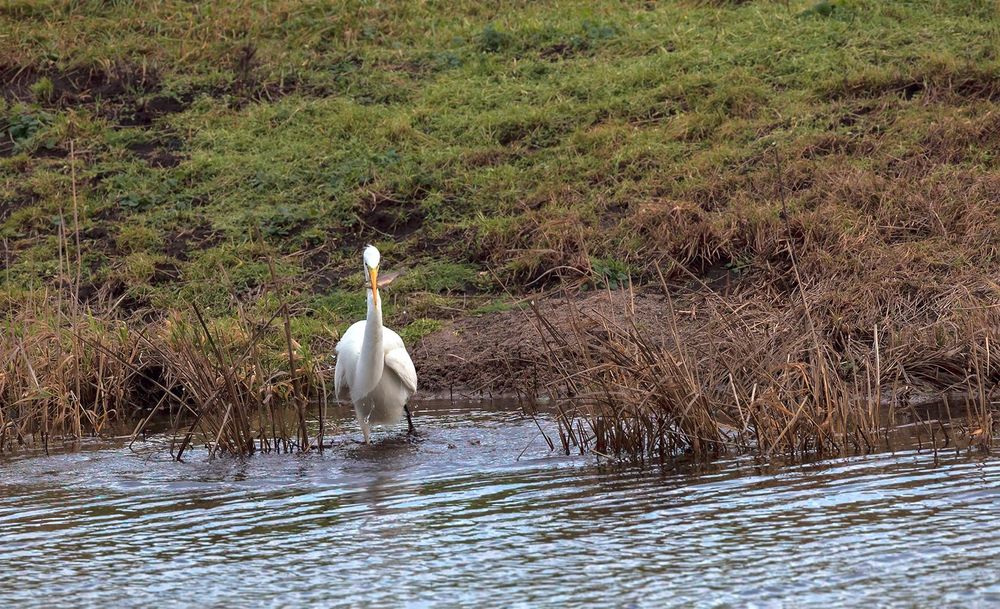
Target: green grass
<point>463,140</point>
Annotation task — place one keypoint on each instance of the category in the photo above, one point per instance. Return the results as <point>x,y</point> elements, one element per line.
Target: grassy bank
<point>155,156</point>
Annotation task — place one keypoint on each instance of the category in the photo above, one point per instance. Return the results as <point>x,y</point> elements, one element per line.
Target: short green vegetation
<point>483,148</point>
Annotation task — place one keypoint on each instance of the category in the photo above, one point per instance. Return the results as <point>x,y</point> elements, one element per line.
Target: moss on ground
<point>484,149</point>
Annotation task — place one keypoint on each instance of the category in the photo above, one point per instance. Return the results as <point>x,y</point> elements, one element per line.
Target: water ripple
<point>427,525</point>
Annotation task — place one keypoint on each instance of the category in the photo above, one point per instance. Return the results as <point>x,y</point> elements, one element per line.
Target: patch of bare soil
<point>21,199</point>
<point>131,93</point>
<point>134,95</point>
<point>142,113</point>
<point>158,154</point>
<point>181,243</point>
<point>394,217</point>
<point>74,87</point>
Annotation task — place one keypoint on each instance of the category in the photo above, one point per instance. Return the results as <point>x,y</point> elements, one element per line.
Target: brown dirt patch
<point>201,237</point>
<point>131,93</point>
<point>323,268</point>
<point>161,154</point>
<point>934,85</point>
<point>558,51</point>
<point>74,87</point>
<point>143,113</point>
<point>393,217</point>
<point>165,272</point>
<point>20,200</point>
<point>928,320</point>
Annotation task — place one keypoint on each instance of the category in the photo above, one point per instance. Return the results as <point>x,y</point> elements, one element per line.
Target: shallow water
<point>460,520</point>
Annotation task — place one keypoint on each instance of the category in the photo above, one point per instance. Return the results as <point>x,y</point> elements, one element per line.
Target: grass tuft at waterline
<point>752,373</point>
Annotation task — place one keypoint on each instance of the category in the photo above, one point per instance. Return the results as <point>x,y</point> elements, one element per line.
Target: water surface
<point>482,514</point>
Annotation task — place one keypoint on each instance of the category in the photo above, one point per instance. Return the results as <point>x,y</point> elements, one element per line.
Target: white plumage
<point>374,369</point>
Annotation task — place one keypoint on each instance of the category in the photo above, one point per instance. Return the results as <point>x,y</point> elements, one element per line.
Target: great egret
<point>373,368</point>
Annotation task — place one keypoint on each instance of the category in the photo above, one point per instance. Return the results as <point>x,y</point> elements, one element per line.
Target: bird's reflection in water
<point>381,469</point>
<point>387,487</point>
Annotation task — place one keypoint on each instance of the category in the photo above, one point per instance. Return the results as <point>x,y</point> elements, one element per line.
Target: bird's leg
<point>409,420</point>
<point>366,432</point>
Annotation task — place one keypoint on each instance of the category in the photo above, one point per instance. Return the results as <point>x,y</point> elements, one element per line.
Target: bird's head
<point>372,258</point>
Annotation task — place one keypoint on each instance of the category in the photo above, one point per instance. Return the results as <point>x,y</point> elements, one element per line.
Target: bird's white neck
<point>372,358</point>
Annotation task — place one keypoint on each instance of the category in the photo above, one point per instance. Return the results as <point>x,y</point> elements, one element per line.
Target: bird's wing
<point>398,360</point>
<point>340,378</point>
<point>348,350</point>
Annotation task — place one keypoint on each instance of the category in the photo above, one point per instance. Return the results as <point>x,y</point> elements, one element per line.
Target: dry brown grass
<point>57,381</point>
<point>763,372</point>
<point>67,371</point>
<point>67,377</point>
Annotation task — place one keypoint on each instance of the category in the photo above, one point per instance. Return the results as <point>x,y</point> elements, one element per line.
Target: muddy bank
<point>500,353</point>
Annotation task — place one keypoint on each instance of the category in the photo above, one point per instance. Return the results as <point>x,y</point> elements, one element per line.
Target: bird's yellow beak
<point>373,277</point>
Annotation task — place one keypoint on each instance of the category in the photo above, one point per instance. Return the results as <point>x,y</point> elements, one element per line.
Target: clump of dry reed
<point>755,372</point>
<point>236,391</point>
<point>59,380</point>
<point>64,377</point>
<point>817,349</point>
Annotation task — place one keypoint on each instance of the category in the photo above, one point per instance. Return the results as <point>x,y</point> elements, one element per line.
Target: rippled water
<point>460,520</point>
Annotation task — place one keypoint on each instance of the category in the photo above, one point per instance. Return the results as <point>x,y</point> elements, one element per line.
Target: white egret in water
<point>373,368</point>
